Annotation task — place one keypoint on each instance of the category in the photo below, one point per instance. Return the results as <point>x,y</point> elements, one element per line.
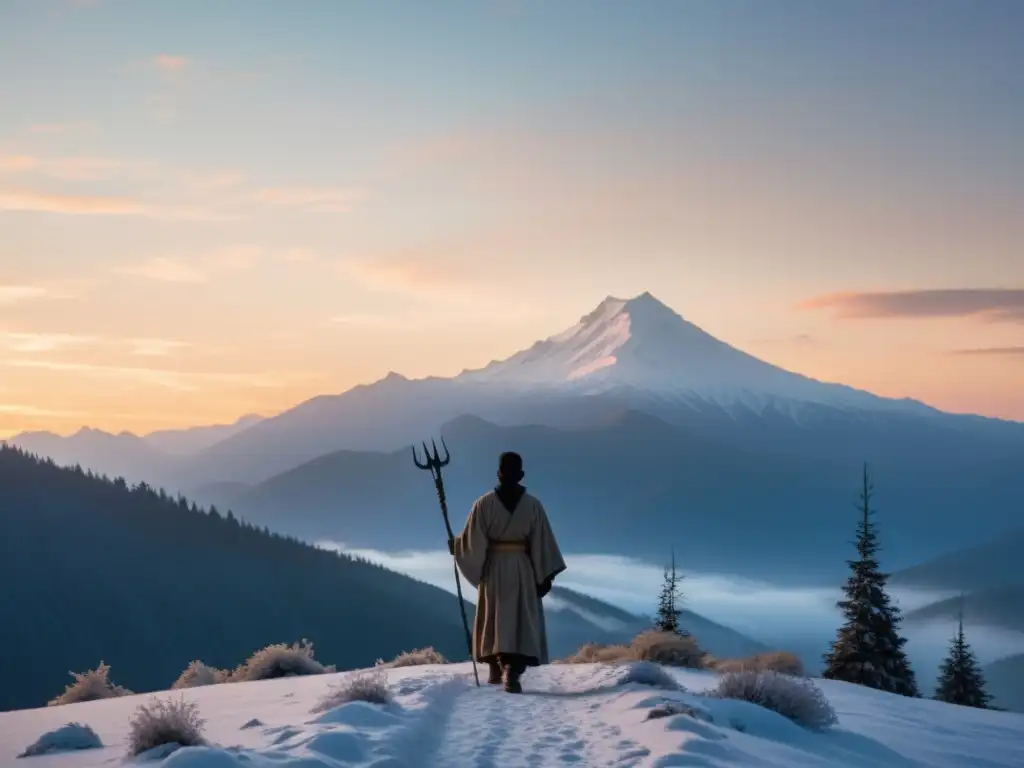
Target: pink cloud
<point>990,303</point>
<point>169,63</point>
<point>17,163</point>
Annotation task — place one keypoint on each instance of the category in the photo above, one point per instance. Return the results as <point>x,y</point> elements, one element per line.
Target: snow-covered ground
<point>567,714</point>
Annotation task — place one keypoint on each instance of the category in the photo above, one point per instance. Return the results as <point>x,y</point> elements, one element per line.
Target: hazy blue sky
<point>213,207</point>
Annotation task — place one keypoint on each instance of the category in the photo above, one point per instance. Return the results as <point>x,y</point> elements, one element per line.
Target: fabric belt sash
<point>507,546</point>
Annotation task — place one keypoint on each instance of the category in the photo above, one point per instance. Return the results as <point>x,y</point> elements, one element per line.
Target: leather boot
<point>512,673</point>
<point>494,673</point>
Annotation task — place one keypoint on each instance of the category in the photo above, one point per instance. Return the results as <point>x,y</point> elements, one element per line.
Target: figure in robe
<point>508,552</point>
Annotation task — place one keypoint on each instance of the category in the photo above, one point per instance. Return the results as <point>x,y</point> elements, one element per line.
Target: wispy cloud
<point>324,199</point>
<point>164,270</point>
<point>298,256</point>
<point>412,274</point>
<point>995,304</point>
<point>167,62</point>
<point>82,168</point>
<point>228,260</point>
<point>17,409</point>
<point>153,376</point>
<point>992,351</point>
<point>236,258</point>
<point>15,294</point>
<point>49,202</point>
<point>183,381</point>
<point>44,342</point>
<point>72,168</point>
<point>155,347</point>
<point>28,342</point>
<point>19,163</point>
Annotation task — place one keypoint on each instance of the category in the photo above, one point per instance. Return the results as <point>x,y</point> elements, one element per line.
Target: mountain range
<point>633,413</point>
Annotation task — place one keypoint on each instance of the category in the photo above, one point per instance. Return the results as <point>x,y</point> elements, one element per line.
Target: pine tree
<point>961,680</point>
<point>868,649</point>
<point>668,602</point>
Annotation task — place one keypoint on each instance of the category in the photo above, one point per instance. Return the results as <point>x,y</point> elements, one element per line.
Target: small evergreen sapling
<point>961,680</point>
<point>868,649</point>
<point>667,619</point>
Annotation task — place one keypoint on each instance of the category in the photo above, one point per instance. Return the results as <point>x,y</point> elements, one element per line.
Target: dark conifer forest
<point>93,569</point>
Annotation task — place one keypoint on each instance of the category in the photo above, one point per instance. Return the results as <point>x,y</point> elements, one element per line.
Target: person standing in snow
<point>508,552</point>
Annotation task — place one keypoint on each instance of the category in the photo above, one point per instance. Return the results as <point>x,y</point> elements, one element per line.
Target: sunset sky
<point>210,208</point>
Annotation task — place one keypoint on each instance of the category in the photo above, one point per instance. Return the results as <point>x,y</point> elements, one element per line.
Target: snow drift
<point>589,714</point>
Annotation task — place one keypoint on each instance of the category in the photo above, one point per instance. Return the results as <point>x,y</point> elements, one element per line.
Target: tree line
<point>94,569</point>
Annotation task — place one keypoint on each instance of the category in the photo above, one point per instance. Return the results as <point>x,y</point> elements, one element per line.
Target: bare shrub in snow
<point>669,649</point>
<point>593,653</point>
<point>783,662</point>
<point>416,658</point>
<point>665,648</point>
<point>673,708</point>
<point>165,722</point>
<point>368,685</point>
<point>90,686</point>
<point>797,698</point>
<point>66,738</point>
<point>279,661</point>
<point>651,674</point>
<point>198,674</point>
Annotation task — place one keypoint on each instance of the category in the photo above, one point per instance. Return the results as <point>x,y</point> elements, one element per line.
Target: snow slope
<point>568,714</point>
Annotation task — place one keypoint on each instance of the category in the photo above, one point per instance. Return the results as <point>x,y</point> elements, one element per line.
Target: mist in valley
<point>803,621</point>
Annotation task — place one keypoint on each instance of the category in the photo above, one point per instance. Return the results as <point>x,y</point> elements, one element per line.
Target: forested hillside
<point>92,569</point>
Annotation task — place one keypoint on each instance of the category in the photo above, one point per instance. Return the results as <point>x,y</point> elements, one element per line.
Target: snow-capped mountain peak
<point>643,345</point>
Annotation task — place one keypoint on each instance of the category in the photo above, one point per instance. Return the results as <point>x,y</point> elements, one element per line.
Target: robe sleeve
<point>544,552</point>
<point>470,546</point>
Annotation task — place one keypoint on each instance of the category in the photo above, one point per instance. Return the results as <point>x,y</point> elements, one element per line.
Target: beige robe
<point>509,614</point>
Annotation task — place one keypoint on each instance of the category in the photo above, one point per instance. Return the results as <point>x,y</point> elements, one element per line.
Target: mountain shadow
<point>92,569</point>
<point>1005,681</point>
<point>993,607</point>
<point>624,485</point>
<point>574,619</point>
<point>992,564</point>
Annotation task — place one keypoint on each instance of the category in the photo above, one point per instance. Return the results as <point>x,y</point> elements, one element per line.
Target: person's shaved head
<point>510,467</point>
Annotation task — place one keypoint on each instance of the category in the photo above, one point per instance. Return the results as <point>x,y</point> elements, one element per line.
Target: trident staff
<point>434,464</point>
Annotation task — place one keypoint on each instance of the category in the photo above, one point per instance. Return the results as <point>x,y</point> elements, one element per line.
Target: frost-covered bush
<point>279,661</point>
<point>416,658</point>
<point>669,649</point>
<point>370,686</point>
<point>165,722</point>
<point>198,674</point>
<point>90,686</point>
<point>783,662</point>
<point>66,738</point>
<point>796,698</point>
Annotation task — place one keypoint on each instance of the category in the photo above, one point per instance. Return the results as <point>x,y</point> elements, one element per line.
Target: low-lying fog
<point>800,620</point>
